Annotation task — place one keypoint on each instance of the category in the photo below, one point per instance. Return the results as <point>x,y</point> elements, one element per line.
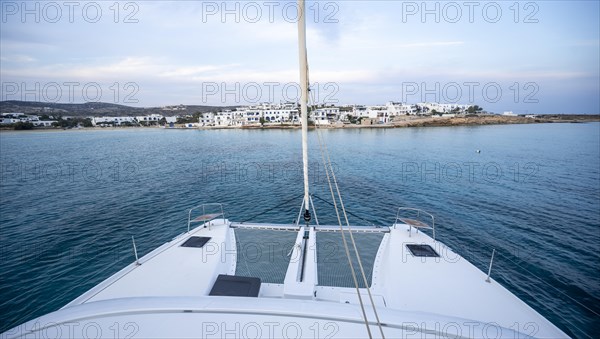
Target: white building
<point>325,115</point>
<point>455,108</point>
<point>147,119</point>
<point>174,108</point>
<point>280,113</point>
<point>8,121</point>
<point>44,123</point>
<point>249,116</point>
<point>428,107</point>
<point>222,119</point>
<point>207,119</point>
<point>360,111</point>
<point>116,121</point>
<point>225,118</point>
<point>378,112</point>
<point>399,108</point>
<point>269,113</point>
<point>13,118</point>
<point>386,113</point>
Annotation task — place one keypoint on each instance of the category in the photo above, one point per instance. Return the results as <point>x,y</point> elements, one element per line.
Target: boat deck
<point>414,287</point>
<point>173,270</point>
<point>449,284</point>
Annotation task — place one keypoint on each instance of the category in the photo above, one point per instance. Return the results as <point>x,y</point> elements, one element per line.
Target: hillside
<point>97,109</point>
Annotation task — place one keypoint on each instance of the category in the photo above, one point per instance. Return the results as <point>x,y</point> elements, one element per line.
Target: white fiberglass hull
<point>167,296</point>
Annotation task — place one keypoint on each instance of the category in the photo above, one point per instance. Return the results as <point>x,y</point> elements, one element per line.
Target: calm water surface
<point>70,201</point>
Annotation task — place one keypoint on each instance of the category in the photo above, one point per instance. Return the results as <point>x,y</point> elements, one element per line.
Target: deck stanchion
<point>137,260</point>
<point>490,269</point>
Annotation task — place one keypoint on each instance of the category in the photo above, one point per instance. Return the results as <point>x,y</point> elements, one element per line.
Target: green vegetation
<point>189,119</point>
<point>474,109</point>
<point>21,126</point>
<point>70,123</point>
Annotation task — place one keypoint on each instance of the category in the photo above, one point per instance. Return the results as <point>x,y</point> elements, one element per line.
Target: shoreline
<point>407,122</point>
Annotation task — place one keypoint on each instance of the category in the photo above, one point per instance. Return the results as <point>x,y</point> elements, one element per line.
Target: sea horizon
<point>117,183</point>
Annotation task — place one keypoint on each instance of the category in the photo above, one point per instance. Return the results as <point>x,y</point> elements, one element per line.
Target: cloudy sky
<point>528,57</point>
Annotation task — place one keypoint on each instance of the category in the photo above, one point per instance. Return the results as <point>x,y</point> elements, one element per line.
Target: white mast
<point>303,97</point>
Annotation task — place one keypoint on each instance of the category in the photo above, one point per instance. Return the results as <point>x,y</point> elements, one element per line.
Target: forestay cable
<point>328,169</point>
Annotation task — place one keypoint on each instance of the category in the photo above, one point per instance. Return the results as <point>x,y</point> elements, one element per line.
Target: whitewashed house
<point>9,121</point>
<point>270,114</point>
<point>224,118</point>
<point>207,119</point>
<point>147,119</point>
<point>13,118</point>
<point>249,116</point>
<point>428,107</point>
<point>399,108</point>
<point>174,108</point>
<point>116,121</point>
<point>378,112</point>
<point>325,115</point>
<point>360,111</point>
<point>280,113</point>
<point>43,123</point>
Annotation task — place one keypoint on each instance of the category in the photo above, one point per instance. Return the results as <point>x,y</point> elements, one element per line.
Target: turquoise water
<point>70,201</point>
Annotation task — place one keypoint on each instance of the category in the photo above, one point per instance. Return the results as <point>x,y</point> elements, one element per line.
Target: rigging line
<point>352,214</point>
<point>270,209</point>
<point>325,151</point>
<point>548,284</point>
<point>360,265</point>
<point>556,313</point>
<point>347,250</point>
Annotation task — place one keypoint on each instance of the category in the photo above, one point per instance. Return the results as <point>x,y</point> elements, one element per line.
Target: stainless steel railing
<point>205,217</point>
<point>413,217</point>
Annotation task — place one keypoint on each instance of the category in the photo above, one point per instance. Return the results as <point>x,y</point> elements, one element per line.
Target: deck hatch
<point>422,250</point>
<point>197,242</point>
<point>234,286</point>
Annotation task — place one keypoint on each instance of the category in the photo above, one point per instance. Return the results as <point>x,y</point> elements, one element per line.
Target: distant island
<point>26,115</point>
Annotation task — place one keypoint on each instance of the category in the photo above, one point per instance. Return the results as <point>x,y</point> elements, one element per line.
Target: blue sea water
<point>70,201</point>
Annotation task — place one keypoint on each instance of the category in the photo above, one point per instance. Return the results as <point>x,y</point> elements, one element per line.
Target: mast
<point>304,100</point>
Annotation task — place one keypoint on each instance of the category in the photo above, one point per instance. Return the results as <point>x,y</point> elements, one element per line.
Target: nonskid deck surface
<point>403,286</point>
